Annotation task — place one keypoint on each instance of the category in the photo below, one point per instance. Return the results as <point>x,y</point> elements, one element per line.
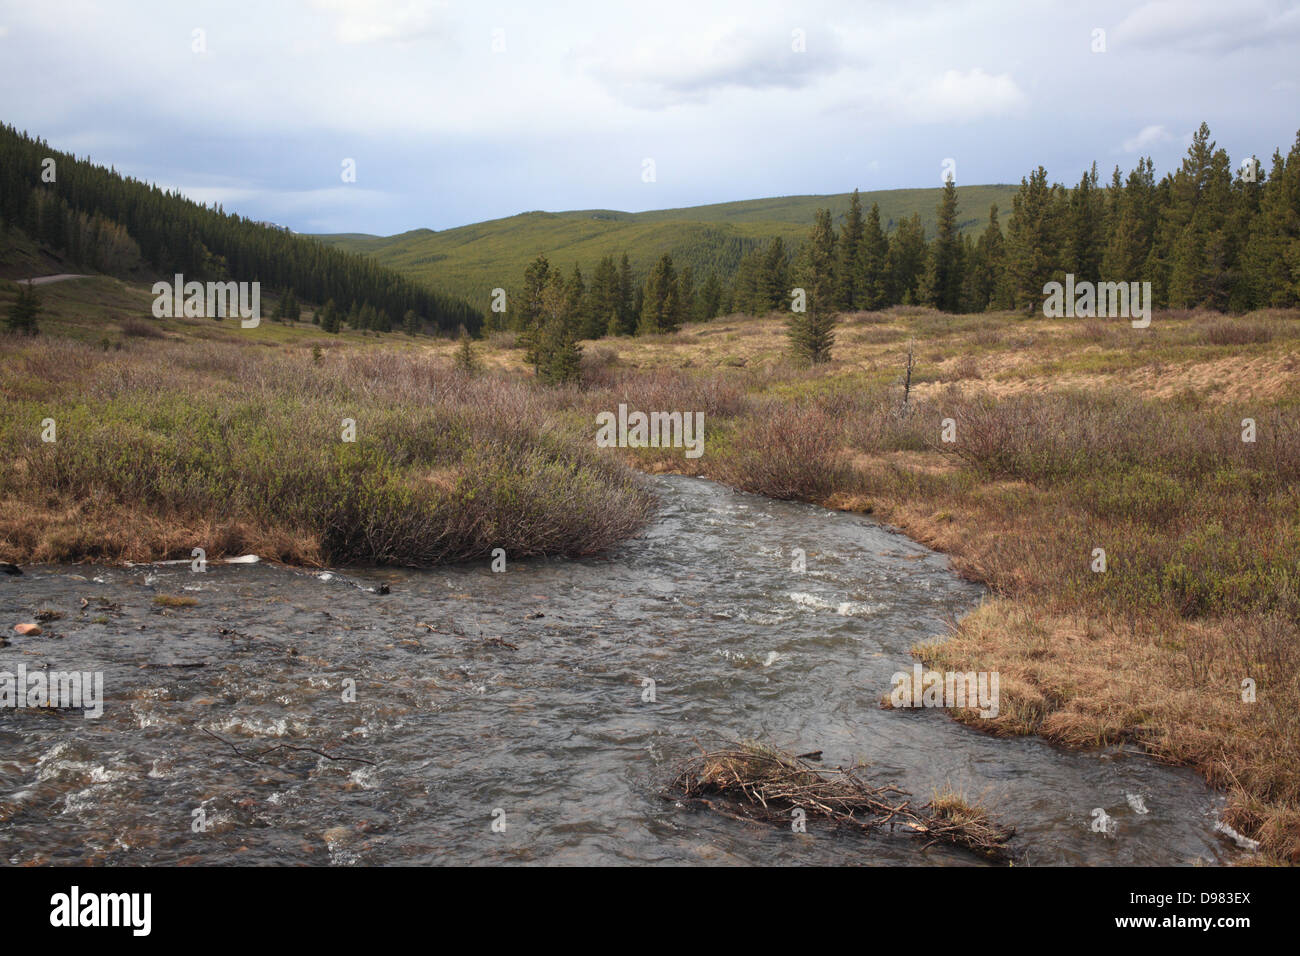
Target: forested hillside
<point>92,218</point>
<point>470,261</point>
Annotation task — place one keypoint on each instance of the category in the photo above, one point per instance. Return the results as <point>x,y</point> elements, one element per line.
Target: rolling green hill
<point>470,261</point>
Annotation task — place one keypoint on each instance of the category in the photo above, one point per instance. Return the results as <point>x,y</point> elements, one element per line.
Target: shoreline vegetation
<point>1071,435</point>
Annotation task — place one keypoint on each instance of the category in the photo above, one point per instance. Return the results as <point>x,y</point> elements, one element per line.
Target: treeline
<point>613,301</point>
<point>98,219</point>
<point>1204,235</point>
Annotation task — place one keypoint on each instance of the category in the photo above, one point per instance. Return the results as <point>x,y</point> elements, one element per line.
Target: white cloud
<point>1149,136</point>
<point>657,70</point>
<point>1200,25</point>
<point>379,21</point>
<point>955,96</point>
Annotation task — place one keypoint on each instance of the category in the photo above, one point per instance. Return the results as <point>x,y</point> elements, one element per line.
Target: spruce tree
<point>686,296</point>
<point>812,332</point>
<point>555,353</point>
<point>605,299</point>
<point>870,288</point>
<point>710,300</point>
<point>25,310</point>
<point>465,360</point>
<point>942,282</point>
<point>629,309</point>
<point>1272,256</point>
<point>1085,233</point>
<point>847,295</point>
<point>1033,241</point>
<point>905,261</point>
<point>659,306</point>
<point>775,280</point>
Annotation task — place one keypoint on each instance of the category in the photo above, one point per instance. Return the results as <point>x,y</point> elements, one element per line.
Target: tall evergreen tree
<point>606,299</point>
<point>847,295</point>
<point>871,290</point>
<point>982,286</point>
<point>941,284</point>
<point>775,277</point>
<point>1193,238</point>
<point>555,353</point>
<point>1132,230</point>
<point>536,275</point>
<point>1033,241</point>
<point>1272,256</point>
<point>812,332</point>
<point>659,307</point>
<point>710,300</point>
<point>629,309</point>
<point>1085,233</point>
<point>686,296</point>
<point>905,261</point>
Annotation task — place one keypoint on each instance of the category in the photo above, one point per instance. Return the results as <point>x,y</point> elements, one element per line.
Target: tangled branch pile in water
<point>761,783</point>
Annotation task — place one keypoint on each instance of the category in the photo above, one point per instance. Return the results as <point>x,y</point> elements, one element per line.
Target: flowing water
<point>554,736</point>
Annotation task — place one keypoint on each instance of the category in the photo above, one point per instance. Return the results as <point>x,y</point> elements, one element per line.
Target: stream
<point>522,698</point>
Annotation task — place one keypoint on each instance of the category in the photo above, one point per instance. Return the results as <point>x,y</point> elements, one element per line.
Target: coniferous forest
<point>1211,234</point>
<point>95,218</point>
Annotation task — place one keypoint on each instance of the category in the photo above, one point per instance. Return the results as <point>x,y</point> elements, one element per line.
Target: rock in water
<point>28,630</point>
<point>10,568</point>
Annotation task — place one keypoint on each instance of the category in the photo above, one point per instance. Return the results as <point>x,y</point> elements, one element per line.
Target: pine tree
<point>985,284</point>
<point>776,275</point>
<point>1272,257</point>
<point>659,307</point>
<point>710,300</point>
<point>25,310</point>
<point>1193,238</point>
<point>1133,222</point>
<point>749,289</point>
<point>1085,233</point>
<point>329,320</point>
<point>812,332</point>
<point>847,294</point>
<point>465,360</point>
<point>686,296</point>
<point>1033,241</point>
<point>555,353</point>
<point>942,281</point>
<point>536,276</point>
<point>870,287</point>
<point>605,299</point>
<point>629,309</point>
<point>576,305</point>
<point>905,261</point>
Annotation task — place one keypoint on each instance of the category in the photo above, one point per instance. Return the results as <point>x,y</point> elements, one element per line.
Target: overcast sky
<point>456,112</point>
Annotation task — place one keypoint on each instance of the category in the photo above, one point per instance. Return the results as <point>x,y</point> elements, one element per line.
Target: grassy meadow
<point>470,261</point>
<point>1070,436</point>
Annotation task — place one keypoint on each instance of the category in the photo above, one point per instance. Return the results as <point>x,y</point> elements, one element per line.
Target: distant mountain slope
<point>470,261</point>
<point>59,213</point>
